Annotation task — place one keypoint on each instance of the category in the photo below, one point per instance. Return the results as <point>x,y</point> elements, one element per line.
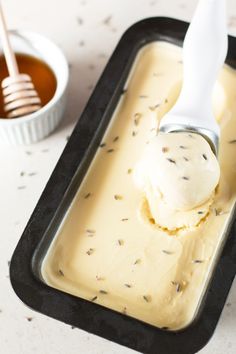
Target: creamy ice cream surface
<point>108,248</point>
<point>178,174</point>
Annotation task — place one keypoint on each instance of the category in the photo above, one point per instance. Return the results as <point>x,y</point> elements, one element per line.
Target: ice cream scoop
<point>183,172</point>
<point>204,52</point>
<point>178,174</point>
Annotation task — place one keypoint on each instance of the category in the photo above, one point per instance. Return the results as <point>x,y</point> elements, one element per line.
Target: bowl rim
<point>60,89</point>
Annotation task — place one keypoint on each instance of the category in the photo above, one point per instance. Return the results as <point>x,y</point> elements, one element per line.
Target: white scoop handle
<point>204,52</point>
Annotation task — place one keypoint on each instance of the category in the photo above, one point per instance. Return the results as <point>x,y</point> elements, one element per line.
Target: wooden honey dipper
<point>19,95</point>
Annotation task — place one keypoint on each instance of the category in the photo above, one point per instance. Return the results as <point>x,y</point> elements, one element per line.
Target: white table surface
<point>87,31</point>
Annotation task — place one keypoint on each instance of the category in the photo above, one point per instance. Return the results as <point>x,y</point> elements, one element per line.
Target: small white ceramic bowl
<point>34,127</point>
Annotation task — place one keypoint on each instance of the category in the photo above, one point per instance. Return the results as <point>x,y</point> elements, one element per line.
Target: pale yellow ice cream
<point>104,250</point>
<point>178,174</point>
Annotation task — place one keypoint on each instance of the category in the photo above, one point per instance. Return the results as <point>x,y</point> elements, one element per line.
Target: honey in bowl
<point>42,76</point>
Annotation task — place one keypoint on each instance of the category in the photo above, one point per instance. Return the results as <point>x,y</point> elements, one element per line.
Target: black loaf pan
<point>59,192</point>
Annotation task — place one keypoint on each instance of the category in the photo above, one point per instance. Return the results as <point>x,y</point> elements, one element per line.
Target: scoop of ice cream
<point>157,212</point>
<point>178,174</point>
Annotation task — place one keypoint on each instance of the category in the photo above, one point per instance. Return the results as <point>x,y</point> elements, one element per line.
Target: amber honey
<point>42,76</point>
